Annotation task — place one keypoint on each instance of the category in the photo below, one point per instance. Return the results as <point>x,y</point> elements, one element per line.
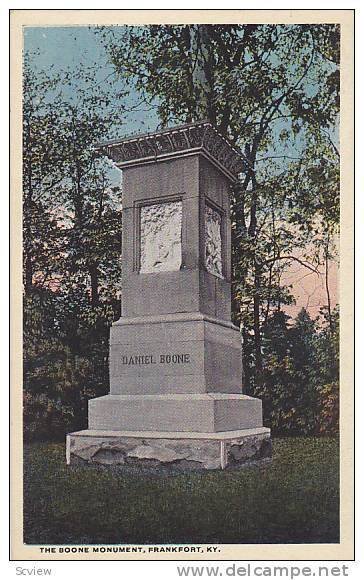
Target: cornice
<point>201,137</point>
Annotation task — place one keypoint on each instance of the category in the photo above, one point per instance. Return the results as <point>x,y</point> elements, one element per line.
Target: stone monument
<point>175,357</point>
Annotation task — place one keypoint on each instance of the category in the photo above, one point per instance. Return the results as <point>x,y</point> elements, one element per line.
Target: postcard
<point>182,262</point>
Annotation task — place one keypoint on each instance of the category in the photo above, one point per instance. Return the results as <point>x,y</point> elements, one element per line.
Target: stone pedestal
<point>174,353</point>
<point>175,356</point>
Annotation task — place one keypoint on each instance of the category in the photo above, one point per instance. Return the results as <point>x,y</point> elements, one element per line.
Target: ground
<point>293,499</point>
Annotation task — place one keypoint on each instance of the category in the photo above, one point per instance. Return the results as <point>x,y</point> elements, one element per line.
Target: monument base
<point>169,450</point>
<point>205,412</point>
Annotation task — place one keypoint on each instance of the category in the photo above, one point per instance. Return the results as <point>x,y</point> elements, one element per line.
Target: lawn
<point>294,499</point>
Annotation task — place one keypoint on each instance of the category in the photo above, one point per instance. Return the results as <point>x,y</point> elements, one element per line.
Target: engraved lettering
<point>150,359</point>
<point>175,358</point>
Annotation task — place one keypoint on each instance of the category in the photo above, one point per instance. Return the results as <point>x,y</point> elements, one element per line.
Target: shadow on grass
<point>294,499</point>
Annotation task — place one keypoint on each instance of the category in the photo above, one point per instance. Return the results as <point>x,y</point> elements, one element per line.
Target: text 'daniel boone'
<point>213,242</point>
<point>161,237</point>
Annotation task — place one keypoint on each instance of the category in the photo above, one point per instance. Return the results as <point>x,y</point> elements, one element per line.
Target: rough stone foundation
<point>169,450</point>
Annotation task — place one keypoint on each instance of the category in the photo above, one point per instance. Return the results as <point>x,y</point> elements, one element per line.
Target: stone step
<point>207,412</point>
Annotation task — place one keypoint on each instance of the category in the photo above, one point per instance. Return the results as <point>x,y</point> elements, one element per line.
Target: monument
<point>175,357</point>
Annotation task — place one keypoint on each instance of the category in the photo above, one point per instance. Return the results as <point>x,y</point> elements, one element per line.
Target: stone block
<point>182,413</point>
<point>160,293</point>
<point>175,356</point>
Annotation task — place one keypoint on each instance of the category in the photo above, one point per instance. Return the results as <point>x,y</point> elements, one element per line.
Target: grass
<point>294,499</point>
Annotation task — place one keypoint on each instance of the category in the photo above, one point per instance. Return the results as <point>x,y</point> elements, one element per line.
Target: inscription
<point>151,359</point>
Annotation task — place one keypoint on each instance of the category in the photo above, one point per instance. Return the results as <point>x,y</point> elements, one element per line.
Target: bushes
<point>65,363</point>
<point>56,394</point>
<point>299,383</point>
<point>329,409</point>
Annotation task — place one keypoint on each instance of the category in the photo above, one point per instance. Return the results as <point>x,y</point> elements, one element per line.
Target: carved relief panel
<point>213,242</point>
<point>161,237</point>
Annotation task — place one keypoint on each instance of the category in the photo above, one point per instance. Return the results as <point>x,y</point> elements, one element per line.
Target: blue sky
<point>71,47</point>
<point>75,46</point>
<point>63,46</point>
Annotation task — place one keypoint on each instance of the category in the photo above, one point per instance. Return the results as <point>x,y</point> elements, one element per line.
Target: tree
<point>72,243</point>
<point>289,395</point>
<point>42,172</point>
<point>273,91</point>
<point>299,385</point>
<point>72,217</point>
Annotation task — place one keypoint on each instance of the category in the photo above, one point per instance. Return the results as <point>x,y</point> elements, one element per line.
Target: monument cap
<point>193,138</point>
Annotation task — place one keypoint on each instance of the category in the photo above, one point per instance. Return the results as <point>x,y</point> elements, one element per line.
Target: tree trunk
<point>257,336</point>
<point>329,312</point>
<point>28,273</point>
<point>94,275</point>
<point>257,281</point>
<point>202,72</point>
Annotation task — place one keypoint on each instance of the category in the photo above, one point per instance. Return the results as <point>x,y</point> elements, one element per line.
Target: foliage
<point>274,92</point>
<point>65,362</point>
<point>72,219</point>
<point>328,352</point>
<point>72,239</point>
<point>299,384</point>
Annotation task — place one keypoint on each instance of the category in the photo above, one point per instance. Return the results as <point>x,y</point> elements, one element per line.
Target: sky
<point>75,46</point>
<point>72,47</point>
<point>58,48</point>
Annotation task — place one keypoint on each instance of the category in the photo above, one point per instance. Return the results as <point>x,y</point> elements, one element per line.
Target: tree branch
<point>289,257</point>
